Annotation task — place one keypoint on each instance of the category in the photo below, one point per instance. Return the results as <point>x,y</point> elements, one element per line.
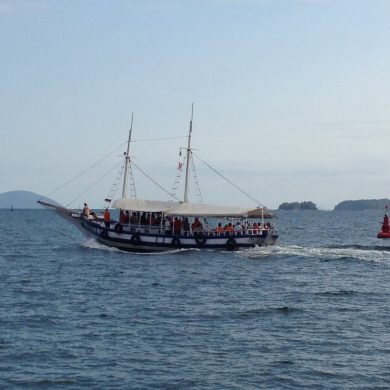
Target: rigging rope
<point>85,170</point>
<point>93,184</point>
<point>159,139</point>
<point>152,180</point>
<point>230,182</point>
<point>197,187</point>
<point>105,157</point>
<point>111,194</point>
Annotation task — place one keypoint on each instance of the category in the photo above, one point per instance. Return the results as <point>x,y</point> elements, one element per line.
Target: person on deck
<point>186,226</point>
<point>177,225</point>
<point>86,211</point>
<point>107,218</point>
<point>197,226</point>
<point>124,216</point>
<point>219,229</point>
<point>168,226</point>
<point>238,228</point>
<point>229,228</point>
<point>134,218</point>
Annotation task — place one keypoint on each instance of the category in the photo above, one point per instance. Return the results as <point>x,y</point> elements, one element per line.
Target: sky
<point>291,98</point>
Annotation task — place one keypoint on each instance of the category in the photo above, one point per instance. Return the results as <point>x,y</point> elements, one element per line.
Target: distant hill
<point>22,200</point>
<point>362,204</point>
<point>298,206</point>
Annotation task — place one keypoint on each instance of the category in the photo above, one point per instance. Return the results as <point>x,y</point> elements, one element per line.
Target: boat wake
<point>327,253</point>
<point>91,243</point>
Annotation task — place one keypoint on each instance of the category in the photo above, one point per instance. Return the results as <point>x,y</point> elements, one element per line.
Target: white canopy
<point>152,206</point>
<point>180,208</point>
<point>206,210</point>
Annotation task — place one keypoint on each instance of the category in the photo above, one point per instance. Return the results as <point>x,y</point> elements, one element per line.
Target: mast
<point>127,159</point>
<point>188,157</point>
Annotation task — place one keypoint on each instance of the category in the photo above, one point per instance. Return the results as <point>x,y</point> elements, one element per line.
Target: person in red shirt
<point>107,218</point>
<point>177,224</point>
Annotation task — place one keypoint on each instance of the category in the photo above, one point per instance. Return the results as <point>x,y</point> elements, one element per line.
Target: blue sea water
<point>311,312</point>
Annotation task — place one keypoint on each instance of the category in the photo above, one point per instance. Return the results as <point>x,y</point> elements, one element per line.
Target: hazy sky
<point>292,97</point>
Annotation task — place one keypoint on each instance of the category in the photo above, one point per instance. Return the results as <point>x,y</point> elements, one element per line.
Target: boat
<point>385,229</point>
<point>146,225</point>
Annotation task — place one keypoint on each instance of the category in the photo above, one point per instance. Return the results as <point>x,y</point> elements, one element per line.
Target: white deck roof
<point>180,208</point>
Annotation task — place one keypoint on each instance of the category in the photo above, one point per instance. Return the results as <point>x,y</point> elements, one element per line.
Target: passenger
<point>133,218</point>
<point>144,220</point>
<point>238,228</point>
<point>255,228</point>
<point>158,219</point>
<point>107,218</point>
<point>219,229</point>
<point>168,226</point>
<point>197,226</point>
<point>177,225</point>
<point>126,218</point>
<point>86,211</point>
<point>229,229</point>
<point>186,226</point>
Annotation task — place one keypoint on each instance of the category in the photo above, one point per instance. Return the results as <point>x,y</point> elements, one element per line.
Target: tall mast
<point>188,157</point>
<point>127,159</point>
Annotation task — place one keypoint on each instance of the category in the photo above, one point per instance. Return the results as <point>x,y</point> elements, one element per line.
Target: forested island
<point>362,204</point>
<point>298,206</point>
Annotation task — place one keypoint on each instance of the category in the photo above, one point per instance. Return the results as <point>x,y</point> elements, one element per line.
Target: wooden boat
<point>152,225</point>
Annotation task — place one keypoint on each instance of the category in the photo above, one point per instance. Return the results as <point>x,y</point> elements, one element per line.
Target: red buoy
<point>385,231</point>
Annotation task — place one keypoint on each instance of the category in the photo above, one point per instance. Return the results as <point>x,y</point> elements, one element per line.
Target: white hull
<point>154,240</point>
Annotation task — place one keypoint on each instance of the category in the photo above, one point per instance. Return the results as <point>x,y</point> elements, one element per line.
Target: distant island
<point>362,204</point>
<point>22,200</point>
<point>298,206</point>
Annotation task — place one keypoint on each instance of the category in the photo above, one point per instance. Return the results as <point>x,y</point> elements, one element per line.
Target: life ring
<point>104,233</point>
<point>135,239</point>
<point>118,228</point>
<point>231,244</point>
<point>175,242</point>
<point>200,238</point>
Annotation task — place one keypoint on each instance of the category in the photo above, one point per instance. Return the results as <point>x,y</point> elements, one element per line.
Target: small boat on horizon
<point>153,225</point>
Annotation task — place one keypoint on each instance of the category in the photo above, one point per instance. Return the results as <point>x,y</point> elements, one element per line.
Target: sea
<point>311,312</point>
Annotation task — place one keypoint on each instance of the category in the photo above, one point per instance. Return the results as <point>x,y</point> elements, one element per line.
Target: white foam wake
<point>91,243</point>
<point>323,253</point>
